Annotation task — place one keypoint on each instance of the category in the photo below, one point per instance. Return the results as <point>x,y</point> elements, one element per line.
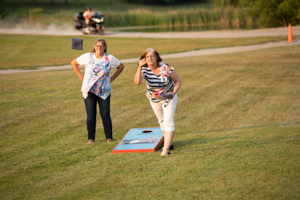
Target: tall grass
<point>197,16</point>
<point>229,16</point>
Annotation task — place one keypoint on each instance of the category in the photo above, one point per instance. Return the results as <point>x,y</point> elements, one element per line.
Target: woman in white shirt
<point>96,87</point>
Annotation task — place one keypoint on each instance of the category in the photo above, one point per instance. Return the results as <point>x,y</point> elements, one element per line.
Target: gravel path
<point>211,34</point>
<point>204,34</point>
<point>283,31</point>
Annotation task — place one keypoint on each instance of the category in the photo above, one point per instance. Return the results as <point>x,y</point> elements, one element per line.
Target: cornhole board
<point>140,140</point>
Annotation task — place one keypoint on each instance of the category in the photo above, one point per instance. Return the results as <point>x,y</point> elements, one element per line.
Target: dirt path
<point>204,34</point>
<point>211,34</point>
<point>193,34</point>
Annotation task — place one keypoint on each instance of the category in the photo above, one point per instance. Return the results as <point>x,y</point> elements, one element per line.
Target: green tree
<point>273,13</point>
<point>162,1</point>
<point>226,3</point>
<point>3,12</point>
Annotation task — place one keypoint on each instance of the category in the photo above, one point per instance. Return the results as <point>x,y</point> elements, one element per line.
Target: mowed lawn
<point>237,133</point>
<point>29,52</point>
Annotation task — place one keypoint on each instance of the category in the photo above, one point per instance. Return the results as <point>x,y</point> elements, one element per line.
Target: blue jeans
<point>91,111</point>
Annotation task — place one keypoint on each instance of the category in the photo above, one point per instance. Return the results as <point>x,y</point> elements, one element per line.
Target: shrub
<point>35,13</point>
<point>22,13</point>
<point>3,12</point>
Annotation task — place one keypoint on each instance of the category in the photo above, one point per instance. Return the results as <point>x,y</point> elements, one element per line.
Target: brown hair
<point>158,58</point>
<point>103,42</point>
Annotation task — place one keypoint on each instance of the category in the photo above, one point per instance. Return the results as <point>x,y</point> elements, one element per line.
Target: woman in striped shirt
<point>160,79</point>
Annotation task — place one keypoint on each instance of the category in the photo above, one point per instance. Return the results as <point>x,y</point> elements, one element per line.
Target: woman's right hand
<point>139,75</point>
<point>142,63</point>
<point>75,66</point>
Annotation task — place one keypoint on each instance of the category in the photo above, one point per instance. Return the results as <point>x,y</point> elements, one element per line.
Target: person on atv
<point>87,15</point>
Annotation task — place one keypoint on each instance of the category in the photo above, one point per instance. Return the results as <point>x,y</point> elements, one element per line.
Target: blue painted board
<point>140,140</point>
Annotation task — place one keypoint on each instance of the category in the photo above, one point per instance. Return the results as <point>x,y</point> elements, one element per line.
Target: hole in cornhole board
<point>147,131</point>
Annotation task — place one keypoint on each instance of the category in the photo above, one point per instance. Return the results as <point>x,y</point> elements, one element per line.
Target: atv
<point>96,23</point>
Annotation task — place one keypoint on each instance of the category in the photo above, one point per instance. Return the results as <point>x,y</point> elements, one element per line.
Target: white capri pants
<point>165,115</point>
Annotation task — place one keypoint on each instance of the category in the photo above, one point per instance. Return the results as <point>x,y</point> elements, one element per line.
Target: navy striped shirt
<point>158,84</point>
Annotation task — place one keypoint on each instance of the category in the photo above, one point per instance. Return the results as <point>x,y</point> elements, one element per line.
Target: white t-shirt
<point>90,84</point>
<point>83,59</point>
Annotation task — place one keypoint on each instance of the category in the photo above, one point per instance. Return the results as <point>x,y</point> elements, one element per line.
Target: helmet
<point>89,7</point>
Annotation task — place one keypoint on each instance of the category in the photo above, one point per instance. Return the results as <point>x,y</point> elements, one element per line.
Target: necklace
<point>98,57</point>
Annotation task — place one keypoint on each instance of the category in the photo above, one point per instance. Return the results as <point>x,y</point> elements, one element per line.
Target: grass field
<point>237,133</point>
<point>40,50</point>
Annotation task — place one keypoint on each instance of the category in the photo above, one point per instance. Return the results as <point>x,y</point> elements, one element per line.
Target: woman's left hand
<point>174,76</point>
<point>172,95</point>
<point>116,74</point>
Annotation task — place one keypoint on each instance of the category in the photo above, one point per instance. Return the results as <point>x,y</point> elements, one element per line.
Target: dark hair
<point>103,42</point>
<point>158,58</point>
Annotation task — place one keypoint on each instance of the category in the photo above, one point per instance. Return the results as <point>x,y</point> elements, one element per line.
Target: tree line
<point>268,13</point>
<point>51,2</point>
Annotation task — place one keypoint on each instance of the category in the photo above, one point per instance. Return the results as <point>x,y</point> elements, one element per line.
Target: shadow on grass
<point>247,143</point>
<point>247,127</point>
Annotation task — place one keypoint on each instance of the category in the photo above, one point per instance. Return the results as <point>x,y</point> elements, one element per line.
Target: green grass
<point>237,133</point>
<point>27,52</point>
